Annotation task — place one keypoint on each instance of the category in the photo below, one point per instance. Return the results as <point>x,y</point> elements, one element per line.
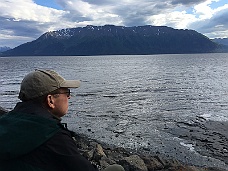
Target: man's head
<point>49,86</point>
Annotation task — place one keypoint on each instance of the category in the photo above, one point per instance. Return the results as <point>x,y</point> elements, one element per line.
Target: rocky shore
<point>103,155</point>
<point>210,137</point>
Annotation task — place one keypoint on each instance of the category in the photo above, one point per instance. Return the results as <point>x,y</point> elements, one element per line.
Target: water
<point>130,100</point>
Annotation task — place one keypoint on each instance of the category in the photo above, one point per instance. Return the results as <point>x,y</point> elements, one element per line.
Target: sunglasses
<point>67,93</point>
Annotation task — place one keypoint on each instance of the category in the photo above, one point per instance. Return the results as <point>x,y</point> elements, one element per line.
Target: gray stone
<point>152,163</point>
<point>133,162</point>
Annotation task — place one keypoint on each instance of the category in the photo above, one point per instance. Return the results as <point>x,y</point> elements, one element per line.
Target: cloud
<point>18,31</point>
<point>187,2</point>
<point>25,21</point>
<point>213,25</point>
<point>134,14</point>
<point>123,12</point>
<point>28,10</point>
<point>179,20</point>
<point>82,12</point>
<point>23,27</point>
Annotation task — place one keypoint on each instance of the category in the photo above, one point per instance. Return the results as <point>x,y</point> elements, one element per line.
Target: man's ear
<point>50,101</point>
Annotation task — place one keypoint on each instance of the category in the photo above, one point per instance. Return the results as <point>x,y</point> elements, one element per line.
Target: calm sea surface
<point>129,100</point>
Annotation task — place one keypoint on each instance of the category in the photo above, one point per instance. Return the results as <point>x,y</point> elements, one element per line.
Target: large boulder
<point>133,162</point>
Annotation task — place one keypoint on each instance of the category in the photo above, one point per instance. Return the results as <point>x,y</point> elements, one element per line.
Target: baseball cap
<point>41,82</point>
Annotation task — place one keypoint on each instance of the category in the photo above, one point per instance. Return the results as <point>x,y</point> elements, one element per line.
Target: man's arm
<point>59,153</point>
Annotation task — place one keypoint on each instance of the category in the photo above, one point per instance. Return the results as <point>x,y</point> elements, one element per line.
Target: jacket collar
<point>34,108</point>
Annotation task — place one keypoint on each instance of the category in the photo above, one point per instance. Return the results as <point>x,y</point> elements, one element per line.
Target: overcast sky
<point>22,21</point>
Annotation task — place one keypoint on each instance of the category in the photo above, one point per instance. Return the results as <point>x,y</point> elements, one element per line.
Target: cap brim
<point>71,84</point>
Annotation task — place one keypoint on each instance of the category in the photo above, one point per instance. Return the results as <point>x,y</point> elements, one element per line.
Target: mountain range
<point>223,41</point>
<point>4,48</point>
<point>117,40</point>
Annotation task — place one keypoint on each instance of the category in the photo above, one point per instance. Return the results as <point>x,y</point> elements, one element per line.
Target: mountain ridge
<point>116,40</point>
<point>223,41</point>
<point>4,48</point>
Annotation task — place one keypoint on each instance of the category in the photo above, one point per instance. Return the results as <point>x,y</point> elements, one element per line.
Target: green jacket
<point>32,139</point>
<point>20,134</point>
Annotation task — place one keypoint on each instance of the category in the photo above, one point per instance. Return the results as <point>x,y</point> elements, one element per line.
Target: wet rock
<point>152,164</point>
<point>98,153</point>
<point>214,169</point>
<point>133,162</point>
<point>104,155</point>
<point>119,131</point>
<point>210,137</point>
<point>168,162</point>
<point>104,164</point>
<point>88,154</point>
<point>182,168</point>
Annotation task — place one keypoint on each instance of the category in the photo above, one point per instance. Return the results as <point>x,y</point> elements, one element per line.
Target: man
<point>32,136</point>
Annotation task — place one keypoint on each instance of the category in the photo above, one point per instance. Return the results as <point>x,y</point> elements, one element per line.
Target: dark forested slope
<point>116,40</point>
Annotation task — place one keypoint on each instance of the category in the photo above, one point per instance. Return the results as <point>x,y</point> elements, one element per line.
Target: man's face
<point>60,102</point>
